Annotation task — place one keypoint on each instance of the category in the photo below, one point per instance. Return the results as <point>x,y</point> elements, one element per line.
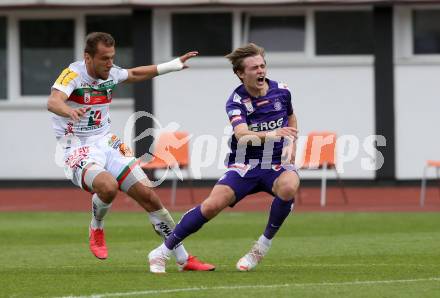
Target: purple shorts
<point>245,181</point>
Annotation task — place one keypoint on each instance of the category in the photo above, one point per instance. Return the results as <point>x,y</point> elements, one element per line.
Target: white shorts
<point>107,153</point>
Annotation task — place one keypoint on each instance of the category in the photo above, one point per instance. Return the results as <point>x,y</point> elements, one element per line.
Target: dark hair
<point>94,38</point>
<point>239,54</point>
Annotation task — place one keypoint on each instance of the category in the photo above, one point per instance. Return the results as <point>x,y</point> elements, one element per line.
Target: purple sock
<point>190,223</point>
<point>279,210</point>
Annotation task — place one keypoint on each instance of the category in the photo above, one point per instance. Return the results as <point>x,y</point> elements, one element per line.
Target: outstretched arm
<point>142,73</point>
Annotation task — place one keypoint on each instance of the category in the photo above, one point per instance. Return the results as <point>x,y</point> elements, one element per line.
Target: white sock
<point>99,210</point>
<point>165,250</point>
<point>181,253</point>
<point>163,224</point>
<point>266,242</point>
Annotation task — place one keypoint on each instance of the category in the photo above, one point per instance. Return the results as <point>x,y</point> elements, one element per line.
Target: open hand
<point>188,56</point>
<point>76,114</point>
<point>287,132</point>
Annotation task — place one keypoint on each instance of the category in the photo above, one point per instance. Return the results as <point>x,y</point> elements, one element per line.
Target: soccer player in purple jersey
<point>261,113</point>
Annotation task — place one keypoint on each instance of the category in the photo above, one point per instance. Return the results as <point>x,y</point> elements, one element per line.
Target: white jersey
<point>87,92</point>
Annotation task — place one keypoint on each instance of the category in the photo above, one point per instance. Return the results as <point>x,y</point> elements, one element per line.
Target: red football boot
<point>97,243</point>
<point>194,264</point>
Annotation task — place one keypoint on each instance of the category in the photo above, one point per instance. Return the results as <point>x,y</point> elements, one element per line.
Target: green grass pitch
<point>314,255</point>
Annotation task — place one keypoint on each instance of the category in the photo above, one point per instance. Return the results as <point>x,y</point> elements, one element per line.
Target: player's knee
<point>107,189</point>
<point>210,208</point>
<point>287,191</point>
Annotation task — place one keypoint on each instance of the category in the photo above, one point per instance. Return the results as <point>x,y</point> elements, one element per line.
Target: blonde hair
<point>237,56</point>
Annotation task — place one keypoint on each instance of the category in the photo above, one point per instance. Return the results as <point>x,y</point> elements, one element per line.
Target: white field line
<point>302,285</point>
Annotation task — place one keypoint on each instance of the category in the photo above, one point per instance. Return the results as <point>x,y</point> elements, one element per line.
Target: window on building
<point>119,26</point>
<point>426,28</point>
<point>209,33</point>
<point>46,49</point>
<point>344,32</point>
<point>278,33</point>
<point>3,80</point>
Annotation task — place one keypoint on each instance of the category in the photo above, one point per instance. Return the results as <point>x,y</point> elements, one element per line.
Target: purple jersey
<point>264,113</point>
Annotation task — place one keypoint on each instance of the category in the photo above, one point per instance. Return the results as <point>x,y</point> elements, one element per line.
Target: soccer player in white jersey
<point>95,159</point>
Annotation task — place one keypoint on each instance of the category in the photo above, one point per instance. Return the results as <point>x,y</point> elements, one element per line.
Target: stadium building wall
<point>331,92</point>
<point>417,96</point>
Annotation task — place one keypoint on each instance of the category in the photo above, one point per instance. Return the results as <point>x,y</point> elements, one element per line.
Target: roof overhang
<point>161,3</point>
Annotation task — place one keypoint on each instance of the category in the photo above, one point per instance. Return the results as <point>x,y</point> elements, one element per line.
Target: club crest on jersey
<point>109,94</point>
<point>248,104</point>
<point>277,105</point>
<point>86,96</point>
